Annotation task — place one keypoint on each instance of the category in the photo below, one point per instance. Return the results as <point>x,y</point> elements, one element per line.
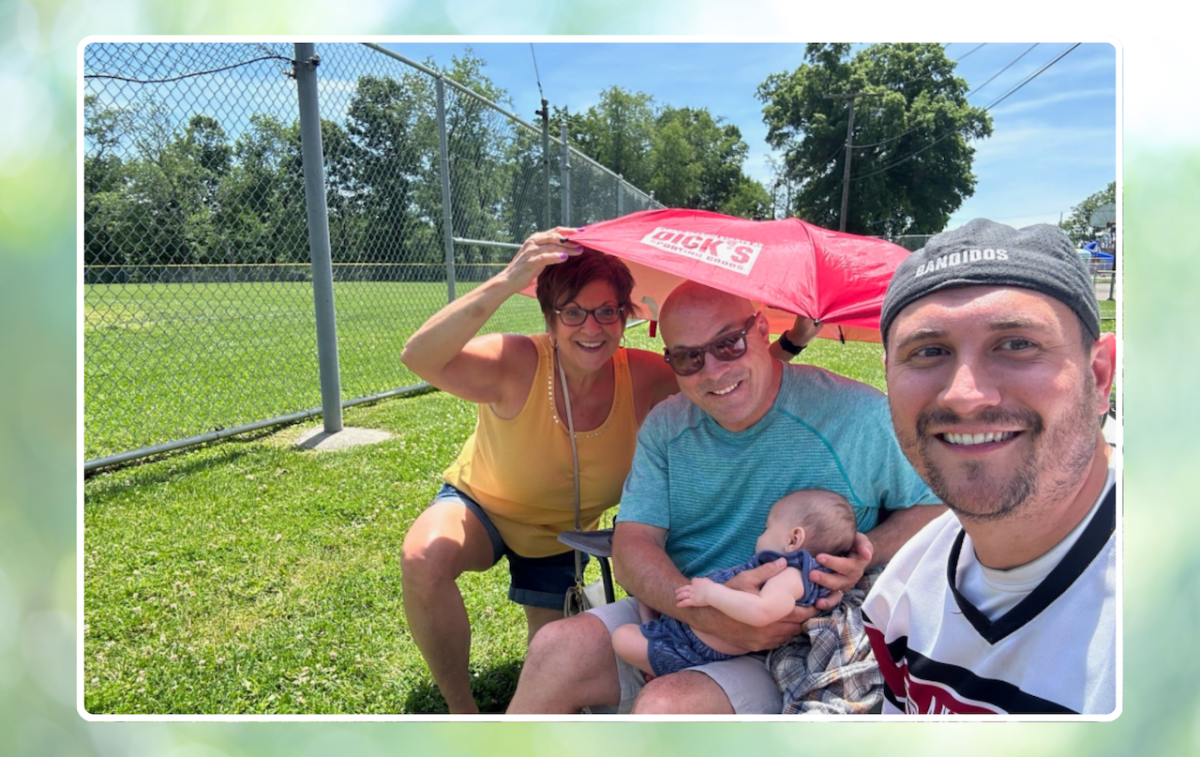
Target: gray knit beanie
<point>986,253</point>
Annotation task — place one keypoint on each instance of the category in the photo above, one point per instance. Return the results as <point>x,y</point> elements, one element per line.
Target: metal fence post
<point>566,178</point>
<point>447,215</point>
<point>620,195</point>
<point>262,253</point>
<point>318,235</point>
<point>545,114</point>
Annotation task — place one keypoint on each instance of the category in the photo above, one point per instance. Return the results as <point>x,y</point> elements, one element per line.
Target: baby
<point>800,525</point>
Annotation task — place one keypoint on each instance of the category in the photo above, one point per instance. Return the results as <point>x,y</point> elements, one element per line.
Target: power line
<point>991,105</point>
<point>906,157</point>
<point>536,74</point>
<point>1014,60</point>
<point>956,60</point>
<point>981,86</point>
<point>889,139</point>
<point>1033,76</point>
<point>836,152</point>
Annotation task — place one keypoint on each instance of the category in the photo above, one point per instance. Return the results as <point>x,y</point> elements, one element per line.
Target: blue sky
<point>1054,141</point>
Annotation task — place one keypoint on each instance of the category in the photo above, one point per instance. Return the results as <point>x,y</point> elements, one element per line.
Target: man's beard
<point>1067,449</point>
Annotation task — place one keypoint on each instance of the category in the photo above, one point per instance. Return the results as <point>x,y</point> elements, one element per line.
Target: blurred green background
<point>39,474</point>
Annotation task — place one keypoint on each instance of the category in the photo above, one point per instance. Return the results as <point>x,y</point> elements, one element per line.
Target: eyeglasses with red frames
<point>688,360</point>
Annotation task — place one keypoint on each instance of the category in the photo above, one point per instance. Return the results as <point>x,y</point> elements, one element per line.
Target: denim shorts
<point>534,581</point>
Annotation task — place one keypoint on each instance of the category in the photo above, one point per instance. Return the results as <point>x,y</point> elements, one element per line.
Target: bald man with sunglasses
<point>745,430</point>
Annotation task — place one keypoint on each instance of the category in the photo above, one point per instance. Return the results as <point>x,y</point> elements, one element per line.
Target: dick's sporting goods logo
<point>959,258</point>
<point>731,254</point>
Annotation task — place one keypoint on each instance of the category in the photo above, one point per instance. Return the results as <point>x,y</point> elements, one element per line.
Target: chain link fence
<point>198,284</point>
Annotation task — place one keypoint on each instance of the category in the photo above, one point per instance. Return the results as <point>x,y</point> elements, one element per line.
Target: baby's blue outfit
<point>674,646</point>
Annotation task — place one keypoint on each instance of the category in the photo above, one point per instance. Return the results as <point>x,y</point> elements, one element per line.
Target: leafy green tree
<point>749,200</point>
<point>261,210</point>
<point>718,152</point>
<point>349,230</point>
<point>105,176</point>
<point>911,166</point>
<point>386,161</point>
<point>618,133</point>
<point>176,184</point>
<point>1078,225</point>
<point>523,196</point>
<point>593,191</point>
<point>693,160</point>
<point>676,173</point>
<point>156,205</point>
<point>479,139</point>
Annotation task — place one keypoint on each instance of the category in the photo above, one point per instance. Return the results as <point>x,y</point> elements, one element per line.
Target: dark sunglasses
<point>688,360</point>
<point>605,314</point>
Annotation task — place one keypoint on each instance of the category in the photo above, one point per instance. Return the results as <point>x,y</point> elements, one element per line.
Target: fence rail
<point>199,317</point>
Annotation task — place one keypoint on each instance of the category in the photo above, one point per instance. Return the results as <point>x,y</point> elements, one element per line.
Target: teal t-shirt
<point>712,488</point>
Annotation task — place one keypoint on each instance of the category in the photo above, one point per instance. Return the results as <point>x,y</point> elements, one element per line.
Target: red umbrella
<point>790,266</point>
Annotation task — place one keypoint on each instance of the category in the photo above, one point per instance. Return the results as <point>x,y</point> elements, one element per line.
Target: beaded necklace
<point>554,409</point>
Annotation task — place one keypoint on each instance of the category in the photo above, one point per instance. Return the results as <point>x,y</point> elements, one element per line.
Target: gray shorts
<point>744,679</point>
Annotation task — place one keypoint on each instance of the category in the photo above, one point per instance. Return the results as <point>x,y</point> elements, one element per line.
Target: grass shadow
<point>227,442</point>
<point>148,474</point>
<point>493,688</point>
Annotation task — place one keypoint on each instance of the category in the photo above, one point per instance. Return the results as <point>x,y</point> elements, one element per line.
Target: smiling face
<point>589,345</point>
<point>736,393</point>
<point>994,399</point>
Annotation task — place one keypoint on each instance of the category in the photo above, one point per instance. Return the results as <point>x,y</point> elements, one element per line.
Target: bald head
<point>736,391</point>
<point>690,301</point>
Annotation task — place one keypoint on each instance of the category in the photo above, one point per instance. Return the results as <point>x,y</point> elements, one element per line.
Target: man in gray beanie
<point>997,378</point>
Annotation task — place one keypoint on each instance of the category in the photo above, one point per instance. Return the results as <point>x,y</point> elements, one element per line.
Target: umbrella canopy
<point>789,266</point>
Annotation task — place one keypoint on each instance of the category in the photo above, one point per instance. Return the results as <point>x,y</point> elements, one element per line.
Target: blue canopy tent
<point>1105,262</point>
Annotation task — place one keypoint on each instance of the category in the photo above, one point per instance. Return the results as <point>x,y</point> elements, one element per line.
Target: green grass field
<point>170,361</point>
<point>164,362</point>
<point>251,577</point>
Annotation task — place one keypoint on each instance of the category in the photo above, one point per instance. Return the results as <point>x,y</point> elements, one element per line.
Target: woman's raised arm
<point>445,351</point>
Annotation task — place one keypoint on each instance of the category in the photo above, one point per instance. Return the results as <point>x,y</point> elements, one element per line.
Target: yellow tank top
<point>519,470</point>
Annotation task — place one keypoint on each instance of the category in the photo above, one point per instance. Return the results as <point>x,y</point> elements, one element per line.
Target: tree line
<point>1078,225</point>
<point>687,157</point>
<point>158,193</point>
<point>192,193</point>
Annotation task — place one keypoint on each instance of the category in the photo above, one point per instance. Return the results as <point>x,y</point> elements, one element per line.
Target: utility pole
<point>851,96</point>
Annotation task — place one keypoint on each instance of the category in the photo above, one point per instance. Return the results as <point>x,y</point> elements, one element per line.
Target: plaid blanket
<point>829,668</point>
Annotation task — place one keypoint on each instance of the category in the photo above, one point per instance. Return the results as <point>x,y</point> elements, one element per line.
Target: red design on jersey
<point>919,696</point>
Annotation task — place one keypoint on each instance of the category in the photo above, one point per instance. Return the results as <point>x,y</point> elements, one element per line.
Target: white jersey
<point>1053,653</point>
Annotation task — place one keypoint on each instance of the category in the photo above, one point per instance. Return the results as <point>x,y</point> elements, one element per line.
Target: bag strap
<point>574,458</point>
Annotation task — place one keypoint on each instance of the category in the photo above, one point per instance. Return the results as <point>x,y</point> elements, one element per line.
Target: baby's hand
<point>694,594</point>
